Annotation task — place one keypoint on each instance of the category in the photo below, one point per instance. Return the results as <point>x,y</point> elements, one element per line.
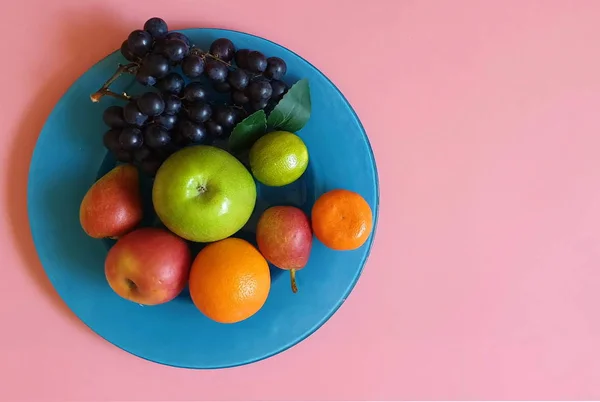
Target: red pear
<point>284,238</point>
<point>112,207</point>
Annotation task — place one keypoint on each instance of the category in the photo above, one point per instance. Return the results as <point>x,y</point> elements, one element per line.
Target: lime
<point>278,158</point>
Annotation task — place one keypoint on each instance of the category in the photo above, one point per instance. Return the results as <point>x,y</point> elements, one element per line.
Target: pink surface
<point>484,276</point>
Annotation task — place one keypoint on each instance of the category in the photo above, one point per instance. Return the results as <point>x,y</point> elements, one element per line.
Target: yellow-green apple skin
<point>203,193</point>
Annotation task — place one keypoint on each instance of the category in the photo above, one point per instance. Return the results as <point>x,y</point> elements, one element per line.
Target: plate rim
<point>356,278</point>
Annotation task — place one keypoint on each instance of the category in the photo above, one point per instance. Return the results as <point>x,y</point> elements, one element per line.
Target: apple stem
<point>293,278</point>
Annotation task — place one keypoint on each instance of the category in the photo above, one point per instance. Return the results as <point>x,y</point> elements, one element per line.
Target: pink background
<point>484,278</point>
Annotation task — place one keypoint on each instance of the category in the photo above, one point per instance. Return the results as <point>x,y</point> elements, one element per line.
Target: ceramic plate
<point>69,157</point>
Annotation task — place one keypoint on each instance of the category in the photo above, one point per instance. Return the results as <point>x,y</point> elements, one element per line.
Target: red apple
<point>284,238</point>
<point>113,205</point>
<point>148,266</point>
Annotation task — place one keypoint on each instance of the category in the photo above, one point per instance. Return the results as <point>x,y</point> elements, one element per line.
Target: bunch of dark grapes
<point>151,127</point>
<point>155,49</point>
<point>252,79</point>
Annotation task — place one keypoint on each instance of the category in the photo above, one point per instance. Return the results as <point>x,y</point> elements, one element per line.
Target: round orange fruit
<point>229,280</point>
<point>342,219</point>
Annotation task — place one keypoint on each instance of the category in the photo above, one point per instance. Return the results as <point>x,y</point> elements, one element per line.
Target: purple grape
<point>151,104</point>
<point>157,27</point>
<point>223,48</point>
<point>155,65</point>
<point>174,49</point>
<point>199,111</point>
<point>241,58</point>
<point>111,140</point>
<point>172,104</point>
<point>141,153</point>
<point>171,83</point>
<point>214,129</point>
<point>144,78</point>
<point>225,116</point>
<point>238,79</point>
<point>239,98</point>
<point>256,62</point>
<point>156,136</point>
<point>132,115</point>
<point>222,87</point>
<point>131,138</point>
<point>139,42</point>
<point>279,88</point>
<point>168,121</point>
<point>259,89</point>
<point>192,66</point>
<point>127,53</point>
<point>194,91</point>
<point>216,71</point>
<point>193,132</point>
<point>276,68</point>
<point>113,117</point>
<point>180,36</point>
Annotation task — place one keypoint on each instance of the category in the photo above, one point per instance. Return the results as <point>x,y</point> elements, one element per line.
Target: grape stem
<point>197,52</point>
<point>105,91</point>
<point>293,280</point>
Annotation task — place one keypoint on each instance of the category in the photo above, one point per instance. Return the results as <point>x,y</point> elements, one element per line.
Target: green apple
<point>203,193</point>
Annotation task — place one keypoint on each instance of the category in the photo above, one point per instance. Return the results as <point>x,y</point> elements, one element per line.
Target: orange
<point>342,219</point>
<point>229,280</point>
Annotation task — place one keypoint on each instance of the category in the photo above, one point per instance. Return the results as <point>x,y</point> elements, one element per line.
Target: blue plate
<point>69,157</point>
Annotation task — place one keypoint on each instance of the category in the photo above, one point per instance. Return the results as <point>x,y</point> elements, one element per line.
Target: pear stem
<point>293,279</point>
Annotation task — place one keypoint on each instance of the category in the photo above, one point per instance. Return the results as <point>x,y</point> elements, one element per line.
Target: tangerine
<point>229,280</point>
<point>342,219</point>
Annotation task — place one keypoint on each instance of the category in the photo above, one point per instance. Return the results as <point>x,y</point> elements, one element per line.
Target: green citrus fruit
<point>278,158</point>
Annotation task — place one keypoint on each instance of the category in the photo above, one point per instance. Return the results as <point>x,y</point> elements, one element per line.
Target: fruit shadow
<point>82,24</point>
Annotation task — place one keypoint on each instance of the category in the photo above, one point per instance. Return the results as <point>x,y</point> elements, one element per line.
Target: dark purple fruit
<point>132,115</point>
<point>199,111</point>
<point>127,53</point>
<point>151,104</point>
<point>113,117</point>
<point>139,42</point>
<point>111,139</point>
<point>168,121</point>
<point>156,136</point>
<point>256,61</point>
<point>238,79</point>
<point>157,27</point>
<point>214,129</point>
<point>225,116</point>
<point>259,89</point>
<point>192,66</point>
<point>193,132</point>
<point>172,104</point>
<point>130,138</point>
<point>172,83</point>
<point>155,65</point>
<point>279,88</point>
<point>241,58</point>
<point>194,91</point>
<point>223,48</point>
<point>141,153</point>
<point>239,98</point>
<point>276,68</point>
<point>222,87</point>
<point>216,71</point>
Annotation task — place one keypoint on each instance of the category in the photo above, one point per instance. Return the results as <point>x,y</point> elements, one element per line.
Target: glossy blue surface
<point>69,157</point>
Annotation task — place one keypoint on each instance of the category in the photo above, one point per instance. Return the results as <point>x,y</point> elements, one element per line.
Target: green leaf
<point>293,110</point>
<point>247,131</point>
